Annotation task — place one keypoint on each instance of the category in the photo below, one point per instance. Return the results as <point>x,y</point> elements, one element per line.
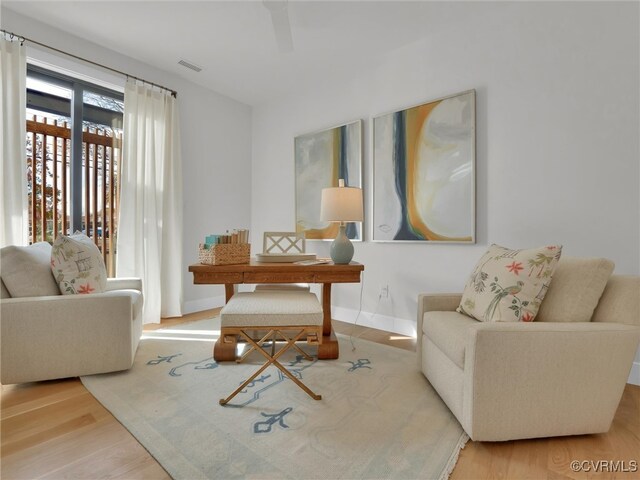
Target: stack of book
<point>225,249</point>
<point>236,236</point>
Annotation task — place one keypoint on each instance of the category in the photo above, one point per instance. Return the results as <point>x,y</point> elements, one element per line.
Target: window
<point>72,166</point>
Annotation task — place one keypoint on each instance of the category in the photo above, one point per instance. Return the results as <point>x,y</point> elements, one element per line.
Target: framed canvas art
<point>424,172</point>
<point>321,159</point>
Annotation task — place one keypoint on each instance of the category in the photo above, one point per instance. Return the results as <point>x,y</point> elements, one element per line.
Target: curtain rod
<point>23,39</point>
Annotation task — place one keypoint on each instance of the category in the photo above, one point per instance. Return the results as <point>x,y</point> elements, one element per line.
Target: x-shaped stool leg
<point>264,339</point>
<point>272,359</point>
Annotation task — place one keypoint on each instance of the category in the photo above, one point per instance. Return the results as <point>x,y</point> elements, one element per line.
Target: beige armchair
<point>506,381</point>
<point>57,336</point>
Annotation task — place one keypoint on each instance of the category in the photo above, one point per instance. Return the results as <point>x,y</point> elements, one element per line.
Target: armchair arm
<point>433,302</point>
<point>65,335</point>
<point>124,283</point>
<point>437,302</point>
<point>542,379</point>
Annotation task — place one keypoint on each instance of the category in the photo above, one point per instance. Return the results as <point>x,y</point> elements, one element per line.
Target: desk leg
<point>224,350</point>
<point>229,290</point>
<point>329,347</point>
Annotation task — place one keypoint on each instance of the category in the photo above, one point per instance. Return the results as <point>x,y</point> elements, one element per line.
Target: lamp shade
<point>341,204</point>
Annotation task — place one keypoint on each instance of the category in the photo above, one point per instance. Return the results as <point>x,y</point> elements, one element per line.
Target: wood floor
<point>58,430</point>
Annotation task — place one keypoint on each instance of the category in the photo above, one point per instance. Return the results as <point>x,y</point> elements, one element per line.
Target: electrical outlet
<point>384,291</point>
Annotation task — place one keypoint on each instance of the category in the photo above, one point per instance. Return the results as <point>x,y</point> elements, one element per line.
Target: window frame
<point>76,113</point>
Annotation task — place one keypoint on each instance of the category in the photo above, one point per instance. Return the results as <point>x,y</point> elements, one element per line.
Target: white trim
<point>202,304</point>
<point>381,322</point>
<point>634,374</point>
<point>74,68</point>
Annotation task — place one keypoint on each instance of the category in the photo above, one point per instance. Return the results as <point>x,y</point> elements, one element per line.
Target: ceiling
<point>234,42</point>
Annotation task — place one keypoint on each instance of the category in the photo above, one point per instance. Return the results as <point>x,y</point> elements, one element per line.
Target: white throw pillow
<point>509,285</point>
<point>26,271</point>
<point>77,265</point>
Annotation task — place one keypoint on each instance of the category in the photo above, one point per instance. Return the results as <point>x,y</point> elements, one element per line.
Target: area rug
<point>378,417</point>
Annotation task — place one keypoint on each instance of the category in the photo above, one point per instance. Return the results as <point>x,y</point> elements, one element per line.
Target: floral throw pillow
<point>509,285</point>
<point>77,265</point>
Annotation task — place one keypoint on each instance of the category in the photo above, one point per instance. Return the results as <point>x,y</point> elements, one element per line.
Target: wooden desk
<point>256,272</point>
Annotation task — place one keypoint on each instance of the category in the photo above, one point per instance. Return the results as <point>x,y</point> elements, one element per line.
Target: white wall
<point>215,140</point>
<point>557,144</point>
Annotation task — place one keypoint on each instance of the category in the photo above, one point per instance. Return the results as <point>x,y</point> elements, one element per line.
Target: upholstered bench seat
<point>289,287</point>
<point>271,308</point>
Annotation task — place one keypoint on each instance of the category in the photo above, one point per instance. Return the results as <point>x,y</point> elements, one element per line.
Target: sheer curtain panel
<point>13,81</point>
<point>149,242</point>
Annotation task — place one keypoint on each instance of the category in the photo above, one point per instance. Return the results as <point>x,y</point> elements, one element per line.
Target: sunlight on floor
<point>182,335</point>
<point>187,339</point>
<point>400,337</point>
<point>189,332</point>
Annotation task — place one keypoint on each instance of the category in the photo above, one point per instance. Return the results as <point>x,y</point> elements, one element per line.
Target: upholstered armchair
<point>48,335</point>
<point>558,376</point>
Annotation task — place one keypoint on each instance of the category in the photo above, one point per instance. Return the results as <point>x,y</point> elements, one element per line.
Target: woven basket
<point>225,254</point>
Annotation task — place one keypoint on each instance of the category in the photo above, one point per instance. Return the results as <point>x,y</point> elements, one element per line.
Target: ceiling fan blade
<point>279,10</point>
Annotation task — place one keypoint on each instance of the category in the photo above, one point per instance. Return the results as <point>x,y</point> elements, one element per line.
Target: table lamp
<point>341,204</point>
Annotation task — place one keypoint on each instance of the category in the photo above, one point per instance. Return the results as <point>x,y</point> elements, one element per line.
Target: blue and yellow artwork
<point>321,159</point>
<point>424,172</point>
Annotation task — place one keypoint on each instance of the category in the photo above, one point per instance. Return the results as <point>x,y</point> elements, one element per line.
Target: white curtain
<point>149,241</point>
<point>13,79</point>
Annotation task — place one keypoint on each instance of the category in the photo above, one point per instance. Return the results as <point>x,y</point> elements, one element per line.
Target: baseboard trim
<point>381,322</point>
<point>634,375</point>
<point>202,304</point>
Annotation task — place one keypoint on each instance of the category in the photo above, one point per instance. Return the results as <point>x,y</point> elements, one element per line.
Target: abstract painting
<point>321,159</point>
<point>424,172</point>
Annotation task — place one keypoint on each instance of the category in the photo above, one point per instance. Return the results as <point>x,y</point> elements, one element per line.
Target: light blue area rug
<point>378,417</point>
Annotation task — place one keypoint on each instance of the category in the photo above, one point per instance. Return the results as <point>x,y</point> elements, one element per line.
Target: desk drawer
<point>265,277</point>
<point>217,278</point>
<point>337,277</point>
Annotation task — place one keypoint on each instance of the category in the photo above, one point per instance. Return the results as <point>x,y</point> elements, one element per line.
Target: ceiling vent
<point>190,65</point>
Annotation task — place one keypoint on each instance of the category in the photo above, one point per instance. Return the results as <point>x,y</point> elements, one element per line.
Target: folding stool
<point>275,312</point>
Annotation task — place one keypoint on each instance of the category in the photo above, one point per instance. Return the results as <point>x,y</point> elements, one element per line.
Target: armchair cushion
<point>135,296</point>
<point>26,271</point>
<point>509,285</point>
<point>620,302</point>
<point>77,265</point>
<point>448,330</point>
<point>124,283</point>
<point>577,286</point>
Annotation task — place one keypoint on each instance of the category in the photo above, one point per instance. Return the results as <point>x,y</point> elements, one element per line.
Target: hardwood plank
<point>528,461</point>
<point>18,444</point>
<point>23,396</point>
<point>121,459</point>
<point>35,423</point>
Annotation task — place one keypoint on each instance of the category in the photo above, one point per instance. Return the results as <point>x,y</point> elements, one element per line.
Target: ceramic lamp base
<point>341,248</point>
